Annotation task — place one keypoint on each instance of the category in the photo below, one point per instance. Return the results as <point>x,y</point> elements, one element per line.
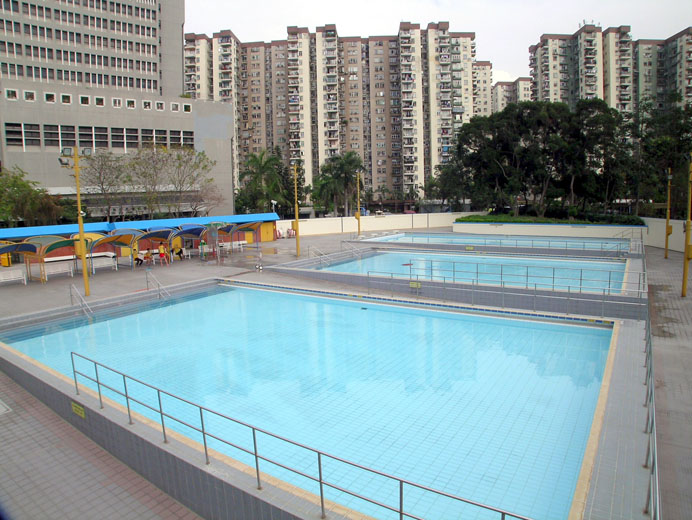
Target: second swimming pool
<point>493,409</point>
<point>529,272</point>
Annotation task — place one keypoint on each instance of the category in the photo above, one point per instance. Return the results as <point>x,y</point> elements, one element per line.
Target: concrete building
<point>506,92</point>
<point>608,65</point>
<point>100,75</point>
<point>394,100</point>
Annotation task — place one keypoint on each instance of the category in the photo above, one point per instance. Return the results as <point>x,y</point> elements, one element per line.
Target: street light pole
<point>358,199</point>
<point>669,228</point>
<point>688,247</point>
<point>80,220</point>
<point>295,186</point>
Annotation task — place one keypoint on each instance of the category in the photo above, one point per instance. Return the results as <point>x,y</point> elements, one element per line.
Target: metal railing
<point>206,417</point>
<point>313,252</point>
<point>161,289</point>
<point>82,302</point>
<point>355,251</point>
<point>504,296</point>
<point>533,243</point>
<point>498,273</point>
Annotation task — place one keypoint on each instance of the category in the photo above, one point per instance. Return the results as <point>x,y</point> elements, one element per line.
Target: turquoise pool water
<point>542,273</point>
<point>493,409</point>
<point>599,244</point>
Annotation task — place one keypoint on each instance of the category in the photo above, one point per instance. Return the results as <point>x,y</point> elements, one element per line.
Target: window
<point>146,105</point>
<point>11,93</point>
<point>187,108</point>
<point>117,102</point>
<point>49,97</point>
<point>175,107</point>
<point>130,103</point>
<point>84,100</point>
<point>51,135</point>
<point>160,105</point>
<point>66,99</point>
<point>99,101</point>
<point>29,95</point>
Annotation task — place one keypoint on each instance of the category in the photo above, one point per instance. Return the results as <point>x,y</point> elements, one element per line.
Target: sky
<point>504,28</point>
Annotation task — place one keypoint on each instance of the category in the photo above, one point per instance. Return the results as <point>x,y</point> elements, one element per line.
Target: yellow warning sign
<point>78,409</point>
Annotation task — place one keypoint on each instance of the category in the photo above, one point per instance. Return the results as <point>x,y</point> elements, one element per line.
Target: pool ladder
<point>82,302</point>
<point>163,293</point>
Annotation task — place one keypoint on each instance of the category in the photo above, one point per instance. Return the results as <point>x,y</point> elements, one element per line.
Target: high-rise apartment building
<point>608,65</point>
<point>506,92</point>
<point>395,100</point>
<point>100,75</point>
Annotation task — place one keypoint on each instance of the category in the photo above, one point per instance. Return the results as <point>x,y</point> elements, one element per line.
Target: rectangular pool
<point>528,272</point>
<point>620,245</point>
<point>493,409</point>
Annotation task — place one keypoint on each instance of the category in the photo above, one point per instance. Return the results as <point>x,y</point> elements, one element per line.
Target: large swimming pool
<point>620,245</point>
<point>528,272</point>
<point>493,409</point>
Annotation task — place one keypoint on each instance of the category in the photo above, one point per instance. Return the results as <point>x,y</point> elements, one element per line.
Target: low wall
<point>325,226</point>
<point>655,234</point>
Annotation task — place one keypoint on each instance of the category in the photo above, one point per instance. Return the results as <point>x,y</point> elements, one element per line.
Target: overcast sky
<point>504,28</point>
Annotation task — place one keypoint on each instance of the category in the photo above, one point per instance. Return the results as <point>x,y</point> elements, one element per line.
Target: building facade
<point>608,65</point>
<point>395,100</point>
<point>100,75</point>
<point>506,92</point>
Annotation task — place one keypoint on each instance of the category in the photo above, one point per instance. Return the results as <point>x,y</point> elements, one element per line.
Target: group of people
<point>147,257</point>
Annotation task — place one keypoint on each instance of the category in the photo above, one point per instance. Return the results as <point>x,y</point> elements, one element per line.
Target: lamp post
<point>70,159</point>
<point>669,228</point>
<point>358,199</point>
<point>295,186</point>
<point>688,247</point>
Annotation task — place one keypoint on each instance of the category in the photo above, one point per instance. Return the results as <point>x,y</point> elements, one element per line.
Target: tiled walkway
<point>49,470</point>
<point>672,338</point>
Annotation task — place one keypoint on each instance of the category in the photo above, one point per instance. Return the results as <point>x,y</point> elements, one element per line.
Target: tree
<point>21,200</point>
<point>148,174</point>
<point>104,173</point>
<point>338,176</point>
<point>188,175</point>
<point>261,181</point>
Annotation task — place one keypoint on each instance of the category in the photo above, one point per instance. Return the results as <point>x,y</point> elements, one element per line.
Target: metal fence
<point>207,416</point>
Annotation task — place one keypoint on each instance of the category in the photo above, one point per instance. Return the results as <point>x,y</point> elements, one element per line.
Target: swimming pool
<point>595,244</point>
<point>528,272</point>
<point>493,409</point>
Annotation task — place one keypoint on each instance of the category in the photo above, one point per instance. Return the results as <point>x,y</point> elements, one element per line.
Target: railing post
<point>603,305</point>
<point>319,467</point>
<point>534,297</point>
<point>163,424</point>
<point>127,400</point>
<point>204,434</point>
<point>503,293</point>
<point>98,385</point>
<point>254,444</point>
<point>74,374</point>
<point>401,500</point>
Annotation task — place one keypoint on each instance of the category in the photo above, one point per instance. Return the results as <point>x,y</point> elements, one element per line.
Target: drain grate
<point>4,408</point>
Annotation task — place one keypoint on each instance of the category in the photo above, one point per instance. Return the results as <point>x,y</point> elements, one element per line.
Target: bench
<point>104,261</point>
<point>9,275</point>
<point>52,268</point>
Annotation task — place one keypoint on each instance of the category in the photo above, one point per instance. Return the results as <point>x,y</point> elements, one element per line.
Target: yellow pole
<point>358,199</point>
<point>669,228</point>
<point>295,186</point>
<point>688,247</point>
<point>80,221</point>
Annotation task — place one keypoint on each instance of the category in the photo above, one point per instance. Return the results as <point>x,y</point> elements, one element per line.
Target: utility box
<point>5,260</point>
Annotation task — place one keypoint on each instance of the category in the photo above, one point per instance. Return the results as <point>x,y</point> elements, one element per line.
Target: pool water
<point>599,244</point>
<point>541,273</point>
<point>496,410</point>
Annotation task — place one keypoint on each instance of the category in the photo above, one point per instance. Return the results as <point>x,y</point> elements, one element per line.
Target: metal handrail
<point>534,243</point>
<point>653,498</point>
<point>160,287</point>
<point>356,251</point>
<point>163,415</point>
<point>319,255</point>
<point>388,280</point>
<point>82,302</point>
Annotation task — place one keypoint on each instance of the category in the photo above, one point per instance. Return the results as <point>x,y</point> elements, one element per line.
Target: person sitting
<point>148,258</point>
<point>140,258</point>
<point>179,252</point>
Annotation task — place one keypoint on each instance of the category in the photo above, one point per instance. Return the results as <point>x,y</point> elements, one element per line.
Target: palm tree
<point>262,179</point>
<point>342,170</point>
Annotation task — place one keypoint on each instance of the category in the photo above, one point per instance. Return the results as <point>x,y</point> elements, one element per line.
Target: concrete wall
<point>556,230</point>
<point>655,234</point>
<point>323,226</point>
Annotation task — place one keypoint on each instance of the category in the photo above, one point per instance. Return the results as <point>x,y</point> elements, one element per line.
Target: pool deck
<point>50,470</point>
